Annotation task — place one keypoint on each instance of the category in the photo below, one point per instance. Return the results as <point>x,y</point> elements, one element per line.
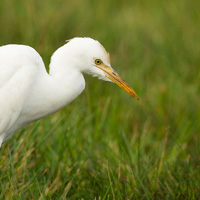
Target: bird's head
<point>93,59</point>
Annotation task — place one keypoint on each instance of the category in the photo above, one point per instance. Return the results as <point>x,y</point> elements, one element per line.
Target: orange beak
<point>113,76</point>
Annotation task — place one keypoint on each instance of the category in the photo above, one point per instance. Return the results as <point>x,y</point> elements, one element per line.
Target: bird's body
<point>29,93</point>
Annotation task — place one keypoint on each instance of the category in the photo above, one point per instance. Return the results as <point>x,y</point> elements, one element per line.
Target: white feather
<point>28,92</point>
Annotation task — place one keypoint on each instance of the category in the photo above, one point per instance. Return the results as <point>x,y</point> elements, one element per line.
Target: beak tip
<point>136,97</point>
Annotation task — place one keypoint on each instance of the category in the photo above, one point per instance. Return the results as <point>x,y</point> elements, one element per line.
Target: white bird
<point>29,93</point>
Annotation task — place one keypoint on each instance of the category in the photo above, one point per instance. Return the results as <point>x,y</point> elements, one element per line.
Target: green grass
<point>106,145</point>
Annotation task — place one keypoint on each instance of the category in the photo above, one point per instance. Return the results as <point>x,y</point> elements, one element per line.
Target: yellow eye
<point>98,61</point>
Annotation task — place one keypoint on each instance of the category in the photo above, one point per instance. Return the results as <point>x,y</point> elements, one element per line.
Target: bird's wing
<point>18,70</point>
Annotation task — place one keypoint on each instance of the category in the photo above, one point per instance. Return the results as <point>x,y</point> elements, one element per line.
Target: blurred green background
<point>106,145</point>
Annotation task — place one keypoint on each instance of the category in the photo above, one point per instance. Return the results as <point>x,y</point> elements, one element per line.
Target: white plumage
<point>28,92</point>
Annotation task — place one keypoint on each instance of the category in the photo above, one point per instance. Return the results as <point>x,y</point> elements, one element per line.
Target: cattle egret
<point>29,93</point>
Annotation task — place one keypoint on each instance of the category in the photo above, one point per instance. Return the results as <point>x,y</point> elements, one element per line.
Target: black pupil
<point>98,61</point>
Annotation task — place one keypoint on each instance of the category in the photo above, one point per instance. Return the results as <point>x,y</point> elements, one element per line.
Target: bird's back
<point>15,57</point>
<point>19,67</point>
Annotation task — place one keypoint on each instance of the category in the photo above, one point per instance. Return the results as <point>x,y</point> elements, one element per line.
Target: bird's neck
<point>68,84</point>
<point>65,76</point>
<point>54,91</point>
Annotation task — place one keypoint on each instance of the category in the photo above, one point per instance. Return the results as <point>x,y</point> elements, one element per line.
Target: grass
<point>105,145</point>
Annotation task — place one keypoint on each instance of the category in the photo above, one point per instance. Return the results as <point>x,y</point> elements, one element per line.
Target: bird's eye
<point>98,61</point>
